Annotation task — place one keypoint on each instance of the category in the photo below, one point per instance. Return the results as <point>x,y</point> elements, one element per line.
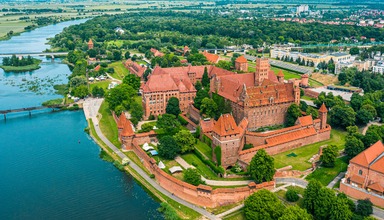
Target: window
<point>360,172</point>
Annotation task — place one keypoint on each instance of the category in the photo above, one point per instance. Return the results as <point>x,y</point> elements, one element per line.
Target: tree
<point>200,95</point>
<point>185,140</point>
<point>127,55</point>
<point>132,81</point>
<point>363,116</point>
<point>92,53</point>
<point>291,195</point>
<point>168,211</point>
<point>192,176</point>
<point>167,122</point>
<point>293,113</point>
<point>77,81</point>
<point>146,127</point>
<point>205,79</point>
<point>80,91</point>
<point>349,201</point>
<point>353,146</point>
<point>116,55</point>
<point>262,167</point>
<point>198,86</point>
<point>295,213</point>
<point>311,194</point>
<point>340,210</point>
<point>329,156</point>
<point>342,116</point>
<point>168,148</point>
<point>312,111</point>
<point>224,65</point>
<point>364,207</point>
<point>324,202</point>
<point>371,137</point>
<point>354,51</point>
<point>370,108</point>
<point>208,107</point>
<point>119,95</point>
<point>136,112</point>
<point>263,205</point>
<point>173,106</point>
<point>98,92</point>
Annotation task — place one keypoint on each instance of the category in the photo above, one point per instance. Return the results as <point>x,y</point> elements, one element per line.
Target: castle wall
<point>262,116</point>
<point>359,193</point>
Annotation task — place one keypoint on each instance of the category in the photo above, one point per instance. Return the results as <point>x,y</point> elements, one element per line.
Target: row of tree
<point>15,61</point>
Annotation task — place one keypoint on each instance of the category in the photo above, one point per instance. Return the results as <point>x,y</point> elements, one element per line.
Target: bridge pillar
<point>29,113</point>
<point>215,51</point>
<point>5,116</point>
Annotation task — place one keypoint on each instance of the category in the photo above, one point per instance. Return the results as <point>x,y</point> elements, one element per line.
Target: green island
<point>23,64</point>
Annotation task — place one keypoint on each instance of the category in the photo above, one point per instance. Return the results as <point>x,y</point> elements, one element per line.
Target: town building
<point>261,97</point>
<point>178,82</point>
<point>156,53</point>
<point>379,67</point>
<point>90,44</point>
<point>135,68</point>
<point>212,58</point>
<point>365,175</point>
<point>241,64</point>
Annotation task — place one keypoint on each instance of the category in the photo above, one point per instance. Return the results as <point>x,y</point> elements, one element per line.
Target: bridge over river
<point>29,109</point>
<point>51,54</point>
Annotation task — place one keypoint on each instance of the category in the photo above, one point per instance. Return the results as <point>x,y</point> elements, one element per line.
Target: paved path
<point>96,105</point>
<point>369,124</point>
<point>310,103</point>
<point>183,163</point>
<point>334,181</point>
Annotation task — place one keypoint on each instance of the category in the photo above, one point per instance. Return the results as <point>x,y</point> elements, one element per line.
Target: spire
<point>280,74</point>
<point>323,108</point>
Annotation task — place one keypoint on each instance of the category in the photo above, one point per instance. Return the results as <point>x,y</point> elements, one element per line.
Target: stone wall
<point>201,195</point>
<point>311,93</point>
<point>358,193</point>
<point>193,113</point>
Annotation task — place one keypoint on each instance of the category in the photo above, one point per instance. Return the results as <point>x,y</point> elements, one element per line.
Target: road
<point>92,106</point>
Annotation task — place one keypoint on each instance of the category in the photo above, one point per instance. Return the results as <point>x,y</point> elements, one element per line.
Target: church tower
<point>262,69</point>
<point>323,116</point>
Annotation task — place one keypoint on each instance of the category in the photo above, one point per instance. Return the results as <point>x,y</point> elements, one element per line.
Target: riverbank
<point>27,68</point>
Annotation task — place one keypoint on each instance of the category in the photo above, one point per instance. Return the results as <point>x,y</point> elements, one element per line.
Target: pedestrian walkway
<point>334,181</point>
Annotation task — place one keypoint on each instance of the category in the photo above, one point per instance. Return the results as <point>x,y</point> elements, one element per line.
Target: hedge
<point>217,170</point>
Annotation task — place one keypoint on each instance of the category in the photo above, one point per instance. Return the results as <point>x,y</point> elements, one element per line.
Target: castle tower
<point>304,80</point>
<point>90,44</point>
<point>323,116</point>
<point>262,69</point>
<point>297,94</point>
<point>280,77</point>
<point>241,64</point>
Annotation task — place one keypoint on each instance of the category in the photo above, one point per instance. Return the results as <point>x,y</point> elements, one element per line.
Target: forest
<point>203,30</point>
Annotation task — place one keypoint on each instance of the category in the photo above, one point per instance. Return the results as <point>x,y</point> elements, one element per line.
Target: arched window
<point>360,172</point>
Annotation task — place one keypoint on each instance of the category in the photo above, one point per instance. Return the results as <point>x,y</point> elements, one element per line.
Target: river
<point>50,168</point>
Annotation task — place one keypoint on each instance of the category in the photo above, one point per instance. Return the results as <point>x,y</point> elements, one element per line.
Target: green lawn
<point>238,215</point>
<point>108,125</point>
<point>300,162</point>
<point>204,148</point>
<point>120,70</point>
<point>307,98</point>
<point>102,84</point>
<point>292,75</point>
<point>326,175</point>
<point>298,189</point>
<point>203,169</point>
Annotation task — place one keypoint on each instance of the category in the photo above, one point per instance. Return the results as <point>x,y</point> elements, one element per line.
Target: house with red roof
<point>135,68</point>
<point>156,53</point>
<point>212,58</point>
<point>365,175</point>
<point>241,64</point>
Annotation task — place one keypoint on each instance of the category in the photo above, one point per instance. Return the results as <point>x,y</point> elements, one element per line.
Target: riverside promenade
<point>91,107</point>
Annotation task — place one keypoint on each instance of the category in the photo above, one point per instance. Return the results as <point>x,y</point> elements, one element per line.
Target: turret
<point>323,116</point>
<point>280,77</point>
<point>90,44</point>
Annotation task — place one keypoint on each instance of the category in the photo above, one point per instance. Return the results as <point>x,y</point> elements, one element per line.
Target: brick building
<point>178,82</point>
<point>231,137</point>
<point>261,97</point>
<point>365,175</point>
<point>156,53</point>
<point>241,64</point>
<point>135,68</point>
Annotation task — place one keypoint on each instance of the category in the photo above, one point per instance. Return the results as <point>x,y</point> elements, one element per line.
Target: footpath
<point>91,107</point>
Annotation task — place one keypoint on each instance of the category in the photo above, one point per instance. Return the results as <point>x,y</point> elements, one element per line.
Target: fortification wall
<point>358,193</point>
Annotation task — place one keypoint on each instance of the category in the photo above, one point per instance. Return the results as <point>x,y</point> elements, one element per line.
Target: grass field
<point>238,215</point>
<point>102,84</point>
<point>204,148</point>
<point>300,162</point>
<point>120,70</point>
<point>326,175</point>
<point>108,125</point>
<point>203,169</point>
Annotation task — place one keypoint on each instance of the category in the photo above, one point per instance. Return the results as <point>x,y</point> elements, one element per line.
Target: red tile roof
<point>207,126</point>
<point>378,165</point>
<point>212,58</point>
<point>281,74</point>
<point>226,125</point>
<point>90,42</point>
<point>357,179</point>
<point>305,120</point>
<point>241,59</point>
<point>323,108</point>
<point>156,53</point>
<point>97,68</point>
<point>377,187</point>
<point>122,121</point>
<point>127,130</point>
<point>369,155</point>
<point>135,68</point>
<point>287,137</point>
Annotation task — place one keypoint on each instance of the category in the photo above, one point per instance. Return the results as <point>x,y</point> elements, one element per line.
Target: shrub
<point>247,146</point>
<point>209,163</point>
<point>291,195</point>
<point>192,176</point>
<point>168,211</point>
<point>218,155</point>
<point>152,176</point>
<point>151,117</point>
<point>182,120</point>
